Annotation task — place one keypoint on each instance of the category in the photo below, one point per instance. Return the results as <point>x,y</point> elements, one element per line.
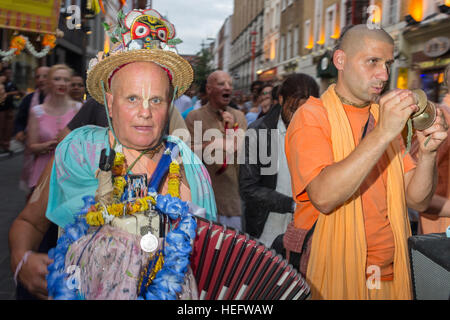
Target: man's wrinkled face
<point>367,69</point>
<point>219,89</point>
<point>138,104</point>
<point>77,88</point>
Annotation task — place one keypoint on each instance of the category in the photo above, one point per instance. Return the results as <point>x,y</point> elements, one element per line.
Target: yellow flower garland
<point>174,179</point>
<point>18,43</point>
<point>119,186</point>
<point>49,40</point>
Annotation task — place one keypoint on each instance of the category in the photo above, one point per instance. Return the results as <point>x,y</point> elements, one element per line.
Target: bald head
<point>363,59</point>
<point>219,87</point>
<point>216,75</point>
<point>351,39</point>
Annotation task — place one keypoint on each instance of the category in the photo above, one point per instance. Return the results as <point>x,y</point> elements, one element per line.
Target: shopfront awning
<point>30,15</point>
<point>268,75</point>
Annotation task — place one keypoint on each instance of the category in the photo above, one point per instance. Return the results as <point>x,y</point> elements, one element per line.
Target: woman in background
<point>47,119</point>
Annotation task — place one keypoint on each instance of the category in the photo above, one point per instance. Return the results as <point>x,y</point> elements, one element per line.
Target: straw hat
<point>147,38</point>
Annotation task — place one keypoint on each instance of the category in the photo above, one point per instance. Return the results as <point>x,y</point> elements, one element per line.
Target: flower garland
<point>20,42</point>
<point>167,282</point>
<point>174,179</point>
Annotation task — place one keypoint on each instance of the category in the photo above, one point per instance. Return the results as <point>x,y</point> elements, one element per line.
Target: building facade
<point>424,49</point>
<point>309,31</point>
<point>246,42</point>
<point>271,35</point>
<point>222,47</point>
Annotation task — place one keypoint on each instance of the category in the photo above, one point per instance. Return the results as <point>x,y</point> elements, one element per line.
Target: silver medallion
<point>149,243</point>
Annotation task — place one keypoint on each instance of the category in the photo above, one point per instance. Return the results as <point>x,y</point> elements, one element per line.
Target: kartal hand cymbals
<point>425,116</point>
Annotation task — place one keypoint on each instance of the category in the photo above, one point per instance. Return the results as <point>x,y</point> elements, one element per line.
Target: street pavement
<point>11,203</point>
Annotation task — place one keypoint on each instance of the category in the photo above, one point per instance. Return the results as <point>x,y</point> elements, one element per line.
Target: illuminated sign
<point>436,47</point>
<point>30,15</point>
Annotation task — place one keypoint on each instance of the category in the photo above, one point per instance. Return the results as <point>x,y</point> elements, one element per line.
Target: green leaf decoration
<point>174,42</point>
<point>120,15</point>
<point>106,26</point>
<point>129,274</point>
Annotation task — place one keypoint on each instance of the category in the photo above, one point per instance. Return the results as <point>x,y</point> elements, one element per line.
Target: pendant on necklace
<point>149,243</point>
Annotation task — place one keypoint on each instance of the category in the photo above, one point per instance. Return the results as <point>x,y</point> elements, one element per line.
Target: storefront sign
<point>434,63</point>
<point>30,15</point>
<point>268,74</point>
<point>436,47</point>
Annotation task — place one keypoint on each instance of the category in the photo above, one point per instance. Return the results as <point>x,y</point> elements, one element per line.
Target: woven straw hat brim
<point>181,70</point>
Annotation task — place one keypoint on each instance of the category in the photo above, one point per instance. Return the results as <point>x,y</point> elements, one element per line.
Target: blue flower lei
<point>168,281</point>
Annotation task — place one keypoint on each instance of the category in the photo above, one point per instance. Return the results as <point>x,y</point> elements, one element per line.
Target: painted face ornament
<point>146,97</point>
<point>147,30</point>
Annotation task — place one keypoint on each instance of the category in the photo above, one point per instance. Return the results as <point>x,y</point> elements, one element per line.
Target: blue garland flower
<point>168,281</point>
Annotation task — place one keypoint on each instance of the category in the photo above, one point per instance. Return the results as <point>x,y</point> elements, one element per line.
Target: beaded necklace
<point>348,102</point>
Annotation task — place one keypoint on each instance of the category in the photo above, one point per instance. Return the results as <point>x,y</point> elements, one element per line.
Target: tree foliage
<point>203,66</point>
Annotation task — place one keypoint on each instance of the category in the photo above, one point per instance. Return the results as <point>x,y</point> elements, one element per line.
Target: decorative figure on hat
<point>148,30</point>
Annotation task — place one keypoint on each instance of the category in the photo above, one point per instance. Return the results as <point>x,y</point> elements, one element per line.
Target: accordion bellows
<point>230,265</point>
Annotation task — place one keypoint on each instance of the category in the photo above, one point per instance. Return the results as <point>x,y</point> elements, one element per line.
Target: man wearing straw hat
<point>137,82</point>
<point>350,178</point>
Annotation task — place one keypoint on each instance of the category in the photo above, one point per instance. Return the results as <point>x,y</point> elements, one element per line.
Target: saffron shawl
<point>337,264</point>
<point>75,164</point>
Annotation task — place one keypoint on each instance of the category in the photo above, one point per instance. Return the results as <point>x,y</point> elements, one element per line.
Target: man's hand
<point>395,109</point>
<point>227,119</point>
<point>33,272</point>
<point>430,139</point>
<point>49,146</point>
<point>20,136</point>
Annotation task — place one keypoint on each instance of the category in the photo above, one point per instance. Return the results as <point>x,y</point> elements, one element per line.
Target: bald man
<point>350,180</point>
<point>220,153</point>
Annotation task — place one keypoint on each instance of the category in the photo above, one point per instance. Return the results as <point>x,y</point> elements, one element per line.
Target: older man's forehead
<point>222,76</point>
<point>134,75</point>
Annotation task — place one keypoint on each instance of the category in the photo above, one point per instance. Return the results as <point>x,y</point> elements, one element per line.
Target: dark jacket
<point>257,190</point>
<point>21,121</point>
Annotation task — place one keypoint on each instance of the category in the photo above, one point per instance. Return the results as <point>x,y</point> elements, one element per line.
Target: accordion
<point>230,265</point>
<point>430,266</point>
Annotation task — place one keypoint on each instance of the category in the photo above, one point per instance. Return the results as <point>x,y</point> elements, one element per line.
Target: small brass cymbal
<point>425,119</point>
<point>421,100</point>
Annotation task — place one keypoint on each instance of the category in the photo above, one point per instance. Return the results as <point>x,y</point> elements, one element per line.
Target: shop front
<point>269,75</point>
<point>429,48</point>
